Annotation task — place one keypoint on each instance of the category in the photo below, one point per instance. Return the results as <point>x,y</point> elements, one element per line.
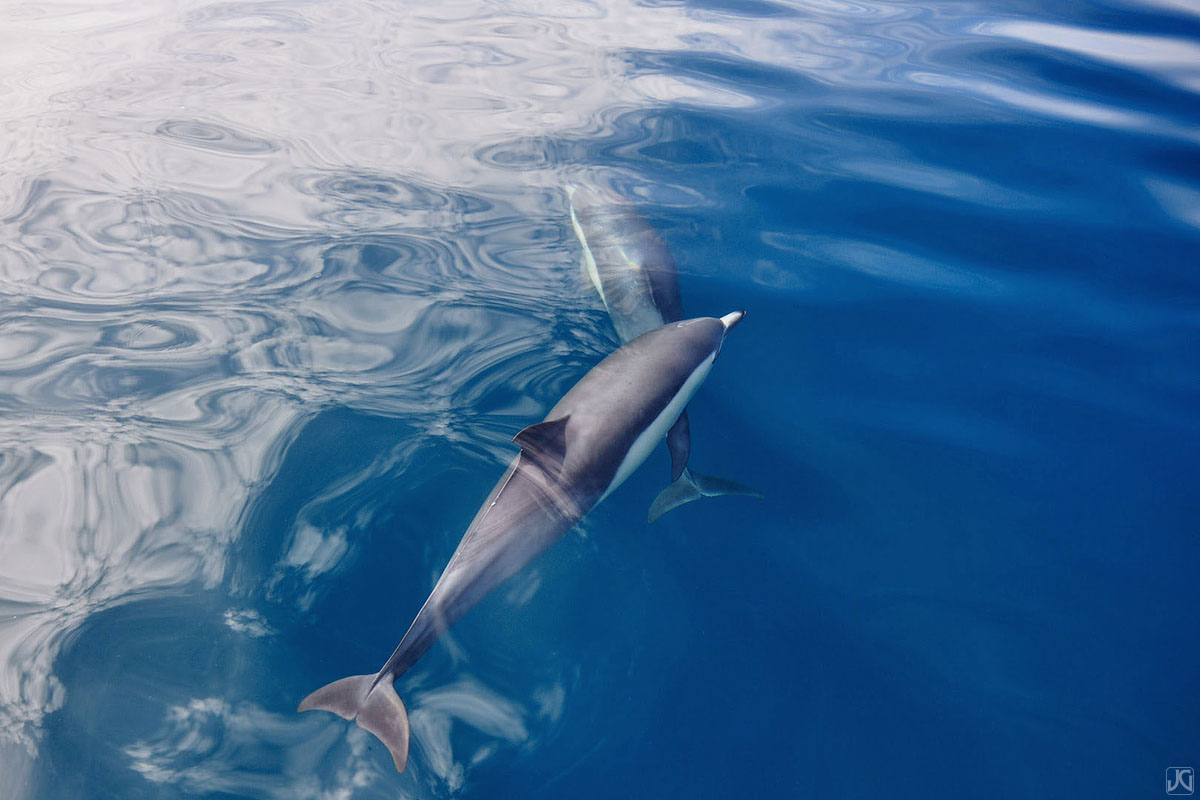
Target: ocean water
<point>279,281</point>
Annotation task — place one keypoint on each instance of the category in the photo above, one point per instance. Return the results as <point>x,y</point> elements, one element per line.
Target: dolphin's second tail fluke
<point>692,486</point>
<point>375,706</point>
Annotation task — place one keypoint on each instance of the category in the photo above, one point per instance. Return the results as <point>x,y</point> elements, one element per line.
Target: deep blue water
<point>280,281</point>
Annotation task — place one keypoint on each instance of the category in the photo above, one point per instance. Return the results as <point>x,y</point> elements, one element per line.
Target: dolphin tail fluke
<point>375,706</point>
<point>692,486</point>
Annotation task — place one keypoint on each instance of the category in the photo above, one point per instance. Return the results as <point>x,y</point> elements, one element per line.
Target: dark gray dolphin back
<point>641,378</point>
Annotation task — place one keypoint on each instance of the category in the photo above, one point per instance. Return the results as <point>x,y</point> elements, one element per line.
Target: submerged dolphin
<point>635,276</point>
<point>589,443</point>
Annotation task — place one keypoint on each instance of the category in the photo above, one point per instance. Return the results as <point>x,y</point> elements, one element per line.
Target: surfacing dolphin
<point>588,444</point>
<point>633,272</point>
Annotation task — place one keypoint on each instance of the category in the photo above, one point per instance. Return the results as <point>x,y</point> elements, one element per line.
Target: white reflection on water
<point>190,195</point>
<point>468,703</point>
<point>210,746</point>
<point>98,513</point>
<point>1175,60</point>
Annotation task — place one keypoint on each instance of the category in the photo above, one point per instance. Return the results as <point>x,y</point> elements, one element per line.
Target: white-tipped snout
<point>729,320</point>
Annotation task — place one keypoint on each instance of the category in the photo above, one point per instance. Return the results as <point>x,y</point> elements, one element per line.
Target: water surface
<point>280,280</point>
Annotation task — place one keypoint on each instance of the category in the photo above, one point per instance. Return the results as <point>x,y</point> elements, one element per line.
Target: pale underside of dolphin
<point>632,270</point>
<point>588,444</point>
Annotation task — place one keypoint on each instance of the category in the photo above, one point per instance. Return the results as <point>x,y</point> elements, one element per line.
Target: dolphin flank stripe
<point>589,260</point>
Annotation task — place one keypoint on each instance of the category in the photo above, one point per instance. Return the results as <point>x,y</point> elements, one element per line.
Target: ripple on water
<point>381,201</point>
<point>409,262</point>
<point>212,136</point>
<point>268,210</point>
<point>259,17</point>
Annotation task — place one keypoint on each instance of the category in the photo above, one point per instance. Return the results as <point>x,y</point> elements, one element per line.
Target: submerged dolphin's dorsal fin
<point>545,443</point>
<point>679,442</point>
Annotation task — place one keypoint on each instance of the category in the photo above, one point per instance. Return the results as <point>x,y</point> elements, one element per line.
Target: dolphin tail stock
<point>692,486</point>
<point>372,702</point>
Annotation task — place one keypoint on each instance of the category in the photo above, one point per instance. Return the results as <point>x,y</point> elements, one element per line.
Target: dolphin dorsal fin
<point>545,444</point>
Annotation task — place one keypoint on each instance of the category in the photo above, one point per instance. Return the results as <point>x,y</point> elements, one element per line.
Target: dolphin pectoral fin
<point>375,706</point>
<point>692,486</point>
<point>679,442</point>
<point>545,443</point>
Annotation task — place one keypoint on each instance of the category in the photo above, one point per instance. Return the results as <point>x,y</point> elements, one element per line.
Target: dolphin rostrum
<point>633,272</point>
<point>588,444</point>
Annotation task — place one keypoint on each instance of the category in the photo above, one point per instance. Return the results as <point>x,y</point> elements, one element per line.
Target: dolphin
<point>589,443</point>
<point>632,270</point>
